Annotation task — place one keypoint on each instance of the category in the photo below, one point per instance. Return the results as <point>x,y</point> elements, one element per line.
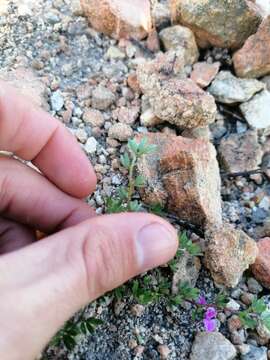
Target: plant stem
<point>131,180</point>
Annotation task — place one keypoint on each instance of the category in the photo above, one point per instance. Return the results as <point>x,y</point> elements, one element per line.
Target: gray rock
<point>229,89</point>
<point>181,38</point>
<point>212,346</point>
<point>121,132</point>
<point>240,152</point>
<point>91,145</point>
<point>253,286</point>
<point>257,110</point>
<point>102,98</point>
<point>57,101</point>
<point>255,353</point>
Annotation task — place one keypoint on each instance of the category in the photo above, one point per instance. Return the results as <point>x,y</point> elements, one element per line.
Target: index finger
<point>34,135</point>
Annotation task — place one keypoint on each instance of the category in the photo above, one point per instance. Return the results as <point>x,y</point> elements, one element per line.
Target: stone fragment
<point>256,111</point>
<point>229,89</point>
<point>137,310</point>
<point>161,14</point>
<point>173,99</point>
<point>253,59</point>
<point>203,73</point>
<point>127,115</point>
<point>121,132</point>
<point>93,117</point>
<point>255,353</point>
<point>261,267</point>
<point>187,271</point>
<point>183,175</point>
<point>81,135</point>
<point>225,24</point>
<point>265,6</point>
<point>181,38</point>
<point>28,84</point>
<point>240,152</point>
<point>266,81</point>
<point>212,346</point>
<point>148,118</point>
<point>102,98</point>
<point>91,146</point>
<point>57,101</point>
<point>228,254</point>
<point>119,18</point>
<point>164,351</point>
<point>114,53</point>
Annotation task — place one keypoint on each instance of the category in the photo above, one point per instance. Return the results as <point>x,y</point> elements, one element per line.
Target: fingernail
<point>156,245</point>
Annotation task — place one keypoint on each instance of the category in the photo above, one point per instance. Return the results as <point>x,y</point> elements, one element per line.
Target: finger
<point>29,198</point>
<point>36,136</point>
<point>92,258</point>
<point>14,236</point>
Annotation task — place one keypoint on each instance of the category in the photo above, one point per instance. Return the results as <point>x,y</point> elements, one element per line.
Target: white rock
<point>257,110</point>
<point>91,145</point>
<point>229,89</point>
<point>233,305</point>
<point>265,5</point>
<point>57,101</point>
<point>114,53</point>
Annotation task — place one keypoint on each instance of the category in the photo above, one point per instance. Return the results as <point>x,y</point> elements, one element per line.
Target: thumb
<point>44,284</point>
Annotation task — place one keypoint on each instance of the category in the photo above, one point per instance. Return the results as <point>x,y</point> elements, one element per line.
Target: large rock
<point>212,346</point>
<point>229,89</point>
<point>182,38</point>
<point>228,254</point>
<point>172,97</point>
<point>183,176</point>
<point>28,84</point>
<point>265,6</point>
<point>253,60</point>
<point>240,152</point>
<point>119,18</point>
<point>261,267</point>
<point>257,110</point>
<point>220,23</point>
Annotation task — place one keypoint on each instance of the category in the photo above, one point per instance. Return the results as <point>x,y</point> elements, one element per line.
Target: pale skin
<point>43,283</point>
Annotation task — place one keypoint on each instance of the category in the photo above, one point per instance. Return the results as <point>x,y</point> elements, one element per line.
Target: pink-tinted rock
<point>253,60</point>
<point>183,176</point>
<point>228,254</point>
<point>203,73</point>
<point>261,268</point>
<point>119,18</point>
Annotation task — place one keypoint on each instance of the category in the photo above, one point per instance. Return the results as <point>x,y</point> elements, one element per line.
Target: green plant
<point>72,329</point>
<point>257,312</point>
<point>123,201</point>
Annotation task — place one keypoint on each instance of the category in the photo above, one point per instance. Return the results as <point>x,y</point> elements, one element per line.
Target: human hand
<point>43,283</point>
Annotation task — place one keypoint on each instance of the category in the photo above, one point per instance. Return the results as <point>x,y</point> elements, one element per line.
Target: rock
<point>102,98</point>
<point>263,333</point>
<point>255,353</point>
<point>57,101</point>
<point>119,18</point>
<point>187,270</point>
<point>137,310</point>
<point>148,118</point>
<point>203,73</point>
<point>228,254</point>
<point>266,81</point>
<point>225,24</point>
<point>253,60</point>
<point>183,176</point>
<point>256,111</point>
<point>161,14</point>
<point>91,146</point>
<point>28,84</point>
<point>81,135</point>
<point>93,117</point>
<point>164,351</point>
<point>121,132</point>
<point>198,133</point>
<point>127,115</point>
<point>133,83</point>
<point>229,89</point>
<point>261,267</point>
<point>173,99</point>
<point>253,286</point>
<point>240,152</point>
<point>234,323</point>
<point>212,346</point>
<point>265,6</point>
<point>233,305</point>
<point>114,53</point>
<point>181,38</point>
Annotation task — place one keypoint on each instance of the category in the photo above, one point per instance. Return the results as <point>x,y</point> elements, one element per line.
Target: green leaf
<point>150,149</point>
<point>122,193</point>
<point>114,206</point>
<point>141,146</point>
<point>69,342</point>
<point>133,146</point>
<point>221,300</point>
<point>94,321</point>
<point>265,317</point>
<point>135,206</point>
<point>247,320</point>
<point>125,160</point>
<point>258,306</point>
<point>187,292</point>
<point>139,181</point>
<point>156,209</point>
<point>187,245</point>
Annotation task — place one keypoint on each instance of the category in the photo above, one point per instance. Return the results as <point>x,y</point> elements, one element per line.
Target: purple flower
<point>210,313</point>
<point>201,300</point>
<point>209,325</point>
